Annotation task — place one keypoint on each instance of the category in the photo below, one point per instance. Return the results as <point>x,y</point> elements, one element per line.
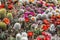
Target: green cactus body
<point>2,35</point>
<point>3,25</point>
<point>37,32</point>
<point>9,15</point>
<point>11,38</point>
<point>2,13</point>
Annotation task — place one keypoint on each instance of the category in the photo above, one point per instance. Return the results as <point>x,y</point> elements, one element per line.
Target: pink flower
<point>26,14</point>
<point>32,13</point>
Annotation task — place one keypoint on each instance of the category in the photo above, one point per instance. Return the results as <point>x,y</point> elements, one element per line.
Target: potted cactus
<point>2,13</point>
<point>3,25</point>
<point>9,15</point>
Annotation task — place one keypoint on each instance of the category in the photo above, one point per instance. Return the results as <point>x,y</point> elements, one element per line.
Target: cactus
<point>37,32</point>
<point>11,38</point>
<point>17,26</point>
<point>9,15</point>
<point>18,36</point>
<point>24,36</point>
<point>44,16</point>
<point>39,16</point>
<point>2,13</point>
<point>2,36</point>
<point>3,25</point>
<point>58,27</point>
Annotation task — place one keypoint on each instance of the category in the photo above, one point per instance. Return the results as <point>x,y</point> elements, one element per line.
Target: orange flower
<point>58,16</point>
<point>6,20</point>
<point>46,21</point>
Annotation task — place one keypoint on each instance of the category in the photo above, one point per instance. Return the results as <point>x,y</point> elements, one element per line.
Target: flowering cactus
<point>52,28</point>
<point>39,16</point>
<point>3,25</point>
<point>37,32</point>
<point>33,18</point>
<point>21,12</point>
<point>24,36</point>
<point>18,36</point>
<point>10,16</point>
<point>6,20</point>
<point>17,26</point>
<point>44,16</point>
<point>2,13</point>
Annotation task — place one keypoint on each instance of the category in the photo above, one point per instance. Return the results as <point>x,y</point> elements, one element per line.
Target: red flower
<point>38,38</point>
<point>46,4</point>
<point>47,37</point>
<point>45,21</point>
<point>10,6</point>
<point>1,6</point>
<point>45,27</point>
<point>30,34</point>
<point>26,19</point>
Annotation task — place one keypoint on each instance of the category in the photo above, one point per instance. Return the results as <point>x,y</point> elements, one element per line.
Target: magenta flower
<point>32,13</point>
<point>26,14</point>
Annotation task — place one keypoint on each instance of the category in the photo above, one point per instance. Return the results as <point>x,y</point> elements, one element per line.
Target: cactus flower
<point>6,20</point>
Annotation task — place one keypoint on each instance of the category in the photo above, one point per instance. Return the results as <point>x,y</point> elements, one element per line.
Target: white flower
<point>33,18</point>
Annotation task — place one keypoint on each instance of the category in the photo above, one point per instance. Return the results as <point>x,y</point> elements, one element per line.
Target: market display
<point>29,20</point>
